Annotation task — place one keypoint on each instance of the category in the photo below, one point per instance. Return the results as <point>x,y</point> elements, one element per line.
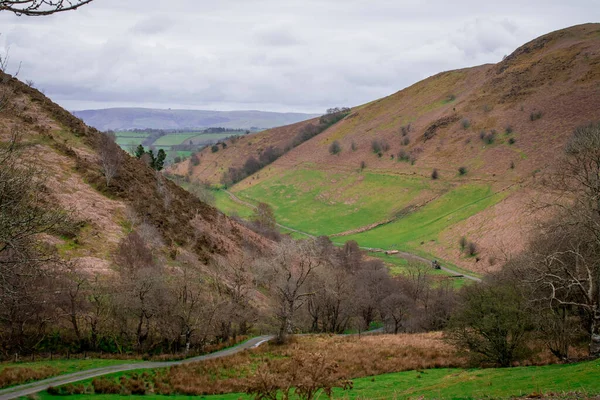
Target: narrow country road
<point>35,387</point>
<point>401,254</point>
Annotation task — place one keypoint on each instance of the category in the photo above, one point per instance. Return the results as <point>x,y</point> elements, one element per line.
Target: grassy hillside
<point>505,124</point>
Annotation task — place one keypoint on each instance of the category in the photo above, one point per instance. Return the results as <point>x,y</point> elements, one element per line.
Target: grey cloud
<point>152,25</point>
<point>266,54</point>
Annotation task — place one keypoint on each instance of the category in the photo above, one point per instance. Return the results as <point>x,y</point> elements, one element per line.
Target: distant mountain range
<point>141,118</point>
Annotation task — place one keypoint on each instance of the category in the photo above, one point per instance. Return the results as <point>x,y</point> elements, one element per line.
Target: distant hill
<point>503,126</point>
<point>141,118</point>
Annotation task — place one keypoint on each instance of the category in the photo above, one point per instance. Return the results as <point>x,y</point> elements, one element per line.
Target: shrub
<point>403,155</point>
<point>106,386</point>
<point>214,148</point>
<point>405,130</point>
<point>512,165</point>
<point>487,108</point>
<point>363,165</point>
<point>450,98</point>
<point>462,170</point>
<point>490,138</point>
<point>353,146</point>
<point>466,124</point>
<point>463,243</point>
<point>508,130</point>
<point>335,147</point>
<point>376,146</point>
<point>195,160</point>
<point>405,141</point>
<point>482,135</point>
<point>177,159</point>
<point>535,115</point>
<point>435,174</point>
<point>472,248</point>
<point>512,141</point>
<point>493,323</point>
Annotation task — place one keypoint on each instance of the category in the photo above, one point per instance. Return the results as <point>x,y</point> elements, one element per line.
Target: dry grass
<point>354,357</point>
<point>10,376</point>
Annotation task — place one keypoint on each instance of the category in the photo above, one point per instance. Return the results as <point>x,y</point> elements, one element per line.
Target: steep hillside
<point>142,118</point>
<point>505,124</point>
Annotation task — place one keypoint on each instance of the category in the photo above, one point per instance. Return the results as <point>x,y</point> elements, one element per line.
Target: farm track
<point>401,254</point>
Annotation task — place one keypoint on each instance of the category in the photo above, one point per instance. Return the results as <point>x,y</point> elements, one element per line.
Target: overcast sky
<point>279,55</point>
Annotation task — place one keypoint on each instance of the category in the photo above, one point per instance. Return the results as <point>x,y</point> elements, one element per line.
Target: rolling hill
<point>491,132</point>
<point>142,118</point>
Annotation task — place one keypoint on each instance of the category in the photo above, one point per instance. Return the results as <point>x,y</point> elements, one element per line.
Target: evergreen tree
<point>139,151</point>
<point>159,162</point>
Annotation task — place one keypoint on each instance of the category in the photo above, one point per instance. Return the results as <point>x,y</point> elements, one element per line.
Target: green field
<point>323,203</point>
<point>454,383</point>
<point>125,138</point>
<point>426,223</point>
<point>224,203</point>
<point>174,138</point>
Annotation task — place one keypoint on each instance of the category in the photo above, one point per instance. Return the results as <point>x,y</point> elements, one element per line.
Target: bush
<point>435,174</point>
<point>472,248</point>
<point>508,130</point>
<point>195,160</point>
<point>512,165</point>
<point>512,141</point>
<point>405,130</point>
<point>335,147</point>
<point>462,170</point>
<point>379,146</point>
<point>405,141</point>
<point>535,115</point>
<point>492,324</point>
<point>403,155</point>
<point>214,148</point>
<point>488,138</point>
<point>105,386</point>
<point>466,124</point>
<point>363,165</point>
<point>463,243</point>
<point>353,146</point>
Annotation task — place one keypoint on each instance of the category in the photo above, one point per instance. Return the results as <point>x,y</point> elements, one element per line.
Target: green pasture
<point>324,203</point>
<point>425,224</point>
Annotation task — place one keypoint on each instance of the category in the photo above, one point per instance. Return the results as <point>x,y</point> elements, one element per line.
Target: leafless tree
<point>294,264</point>
<point>562,265</point>
<point>40,7</point>
<point>110,156</point>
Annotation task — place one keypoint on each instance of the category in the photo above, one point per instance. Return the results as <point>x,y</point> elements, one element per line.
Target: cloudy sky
<point>279,55</point>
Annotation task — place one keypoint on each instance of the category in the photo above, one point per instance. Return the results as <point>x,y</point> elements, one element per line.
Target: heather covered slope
<point>505,123</point>
<point>66,150</point>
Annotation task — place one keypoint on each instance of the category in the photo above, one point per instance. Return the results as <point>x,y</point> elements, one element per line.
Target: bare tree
<point>562,264</point>
<point>110,156</point>
<point>40,7</point>
<point>294,264</point>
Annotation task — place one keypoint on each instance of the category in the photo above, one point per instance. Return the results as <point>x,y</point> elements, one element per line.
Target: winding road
<point>38,386</point>
<point>401,254</point>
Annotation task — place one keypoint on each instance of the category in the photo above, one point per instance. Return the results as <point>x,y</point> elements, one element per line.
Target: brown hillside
<point>66,150</point>
<point>534,98</point>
